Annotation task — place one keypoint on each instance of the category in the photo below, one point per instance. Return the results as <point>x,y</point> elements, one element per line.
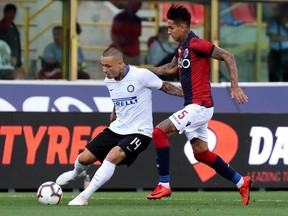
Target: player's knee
<point>86,158</point>
<point>160,138</point>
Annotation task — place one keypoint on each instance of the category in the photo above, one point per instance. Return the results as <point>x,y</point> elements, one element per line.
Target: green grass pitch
<point>135,204</point>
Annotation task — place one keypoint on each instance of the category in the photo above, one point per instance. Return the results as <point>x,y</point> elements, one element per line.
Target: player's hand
<point>239,95</point>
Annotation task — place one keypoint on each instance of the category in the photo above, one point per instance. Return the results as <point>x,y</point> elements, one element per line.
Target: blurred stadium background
<point>238,26</point>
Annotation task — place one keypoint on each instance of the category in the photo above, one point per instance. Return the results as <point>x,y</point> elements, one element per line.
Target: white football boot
<point>69,176</point>
<point>78,201</point>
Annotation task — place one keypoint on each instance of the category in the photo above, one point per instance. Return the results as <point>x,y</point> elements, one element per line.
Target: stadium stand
<point>244,12</point>
<point>196,10</point>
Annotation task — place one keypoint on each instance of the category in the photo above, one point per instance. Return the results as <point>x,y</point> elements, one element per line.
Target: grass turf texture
<point>135,204</point>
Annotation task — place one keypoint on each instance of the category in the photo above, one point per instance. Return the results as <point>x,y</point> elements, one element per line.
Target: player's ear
<point>183,26</point>
<point>120,64</point>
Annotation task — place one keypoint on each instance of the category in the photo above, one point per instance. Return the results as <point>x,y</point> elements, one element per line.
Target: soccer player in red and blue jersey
<point>192,62</point>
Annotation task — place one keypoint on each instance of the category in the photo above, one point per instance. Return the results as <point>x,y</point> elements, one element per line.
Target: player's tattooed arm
<point>166,69</point>
<point>171,89</point>
<point>228,58</point>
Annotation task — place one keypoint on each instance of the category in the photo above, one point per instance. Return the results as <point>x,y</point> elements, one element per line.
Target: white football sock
<point>79,168</point>
<point>165,184</point>
<point>102,175</point>
<point>240,182</point>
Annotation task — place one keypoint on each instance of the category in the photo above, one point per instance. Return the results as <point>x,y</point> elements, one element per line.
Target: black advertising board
<point>37,147</point>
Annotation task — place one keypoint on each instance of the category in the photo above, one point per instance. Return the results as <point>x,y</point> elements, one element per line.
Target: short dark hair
<point>112,51</point>
<point>179,14</point>
<point>10,7</point>
<point>58,27</point>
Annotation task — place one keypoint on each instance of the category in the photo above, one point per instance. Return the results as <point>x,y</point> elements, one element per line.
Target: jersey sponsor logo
<point>222,140</point>
<point>125,101</point>
<point>184,63</point>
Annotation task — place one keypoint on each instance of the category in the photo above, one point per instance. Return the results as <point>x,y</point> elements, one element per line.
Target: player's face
<point>111,66</point>
<point>175,31</point>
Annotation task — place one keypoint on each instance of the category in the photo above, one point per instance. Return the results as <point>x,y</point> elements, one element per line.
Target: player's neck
<point>185,36</point>
<point>123,72</point>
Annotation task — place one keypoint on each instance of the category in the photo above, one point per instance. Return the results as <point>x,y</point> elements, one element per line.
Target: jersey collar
<point>126,72</point>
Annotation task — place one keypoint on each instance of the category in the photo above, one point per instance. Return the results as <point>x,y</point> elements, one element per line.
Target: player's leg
<point>178,121</point>
<point>197,133</point>
<point>204,155</point>
<point>81,165</point>
<point>126,152</point>
<point>99,147</point>
<point>102,175</point>
<point>160,138</point>
<point>88,156</point>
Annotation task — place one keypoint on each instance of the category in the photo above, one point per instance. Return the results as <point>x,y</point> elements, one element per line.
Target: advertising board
<point>37,147</point>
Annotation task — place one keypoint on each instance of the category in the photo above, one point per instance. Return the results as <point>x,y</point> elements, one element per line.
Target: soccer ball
<point>49,193</point>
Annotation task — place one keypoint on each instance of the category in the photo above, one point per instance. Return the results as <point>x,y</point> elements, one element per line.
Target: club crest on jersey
<point>186,53</point>
<point>130,88</point>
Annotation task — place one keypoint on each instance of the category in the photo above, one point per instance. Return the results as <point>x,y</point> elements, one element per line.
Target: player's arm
<point>171,89</point>
<point>113,115</point>
<point>166,69</point>
<point>228,58</point>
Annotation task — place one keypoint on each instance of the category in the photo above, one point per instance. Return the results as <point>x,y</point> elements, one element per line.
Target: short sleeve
<point>149,79</point>
<point>202,47</point>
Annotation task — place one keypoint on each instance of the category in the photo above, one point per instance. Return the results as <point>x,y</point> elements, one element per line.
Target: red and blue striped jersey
<point>194,70</point>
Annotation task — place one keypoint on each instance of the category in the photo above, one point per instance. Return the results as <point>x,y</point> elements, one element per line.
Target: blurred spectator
<point>52,58</point>
<point>78,29</point>
<point>226,17</point>
<point>160,50</point>
<point>277,31</point>
<point>125,33</point>
<point>268,11</point>
<point>10,34</point>
<point>7,70</point>
<point>245,12</point>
